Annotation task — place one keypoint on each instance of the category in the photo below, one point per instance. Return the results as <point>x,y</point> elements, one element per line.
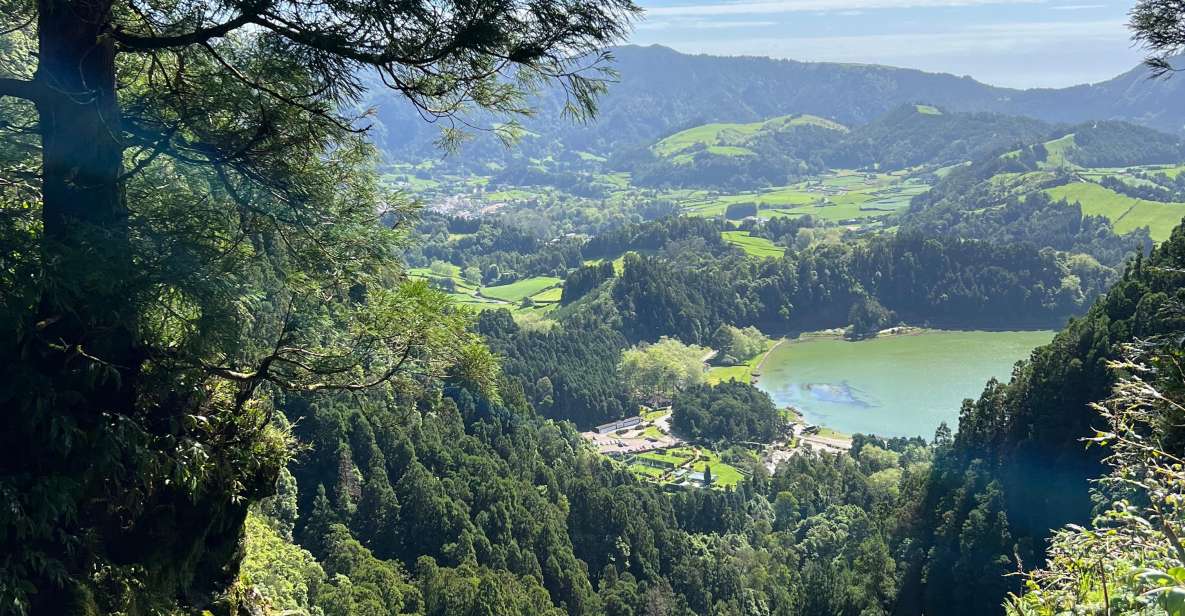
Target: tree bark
<point>86,304</point>
<point>85,348</point>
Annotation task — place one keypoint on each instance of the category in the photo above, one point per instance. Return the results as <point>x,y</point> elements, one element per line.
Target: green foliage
<point>200,235</point>
<point>1130,559</point>
<point>998,489</point>
<point>655,373</point>
<point>730,411</point>
<point>739,344</point>
<point>867,317</point>
<point>283,575</point>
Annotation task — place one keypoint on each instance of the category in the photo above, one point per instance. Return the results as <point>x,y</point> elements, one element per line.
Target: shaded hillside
<point>1017,467</point>
<point>661,91</point>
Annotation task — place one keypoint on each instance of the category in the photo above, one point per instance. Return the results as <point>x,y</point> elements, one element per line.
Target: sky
<point>1016,43</point>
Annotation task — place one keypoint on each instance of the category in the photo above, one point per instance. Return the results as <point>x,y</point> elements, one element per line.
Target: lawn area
<point>723,475</point>
<point>690,452</point>
<point>753,246</point>
<point>723,374</point>
<point>653,415</point>
<point>829,433</point>
<point>1126,213</point>
<point>742,373</point>
<point>673,460</point>
<point>648,472</point>
<point>516,291</point>
<point>652,432</point>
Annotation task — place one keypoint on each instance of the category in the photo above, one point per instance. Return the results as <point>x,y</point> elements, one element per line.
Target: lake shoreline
<point>903,382</point>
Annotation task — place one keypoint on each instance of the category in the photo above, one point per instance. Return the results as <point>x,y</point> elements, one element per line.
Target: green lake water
<point>894,385</point>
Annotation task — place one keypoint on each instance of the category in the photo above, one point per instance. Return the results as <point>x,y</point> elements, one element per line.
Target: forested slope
<point>662,91</point>
<point>1017,467</point>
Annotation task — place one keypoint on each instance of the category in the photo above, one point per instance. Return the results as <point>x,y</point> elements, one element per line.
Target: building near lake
<point>621,424</point>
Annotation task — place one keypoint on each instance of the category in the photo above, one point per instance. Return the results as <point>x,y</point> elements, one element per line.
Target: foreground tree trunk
<point>86,219</point>
<point>84,346</point>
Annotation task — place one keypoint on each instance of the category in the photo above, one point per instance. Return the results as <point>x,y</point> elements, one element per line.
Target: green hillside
<point>726,138</point>
<point>1126,213</point>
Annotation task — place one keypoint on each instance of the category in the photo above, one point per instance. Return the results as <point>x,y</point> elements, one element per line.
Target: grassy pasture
<point>548,296</point>
<point>927,110</point>
<point>844,195</point>
<point>717,150</point>
<point>647,472</point>
<point>516,291</point>
<point>1057,151</point>
<point>1126,213</point>
<point>753,246</point>
<point>734,134</point>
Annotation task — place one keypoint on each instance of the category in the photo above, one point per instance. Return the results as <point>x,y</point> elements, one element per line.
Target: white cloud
<point>769,7</point>
<point>702,24</point>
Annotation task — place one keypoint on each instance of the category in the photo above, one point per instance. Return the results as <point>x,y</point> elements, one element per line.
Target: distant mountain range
<point>662,91</point>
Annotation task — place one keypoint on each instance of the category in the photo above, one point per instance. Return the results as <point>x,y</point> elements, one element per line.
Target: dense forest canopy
<point>190,229</point>
<point>245,371</point>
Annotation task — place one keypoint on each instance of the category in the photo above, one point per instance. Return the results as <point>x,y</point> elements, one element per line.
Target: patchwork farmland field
<point>516,291</point>
<point>732,135</point>
<point>753,246</point>
<point>838,196</point>
<point>1126,213</point>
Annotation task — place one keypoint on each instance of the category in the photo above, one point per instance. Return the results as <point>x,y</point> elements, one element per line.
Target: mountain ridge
<point>661,91</point>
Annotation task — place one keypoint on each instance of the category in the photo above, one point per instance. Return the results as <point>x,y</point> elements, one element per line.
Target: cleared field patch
<point>646,472</point>
<point>927,110</point>
<point>516,291</point>
<point>548,296</point>
<point>723,475</point>
<point>840,196</point>
<point>782,198</point>
<point>656,414</point>
<point>734,134</point>
<point>618,263</point>
<point>652,432</point>
<point>1125,213</point>
<point>716,150</point>
<point>723,374</point>
<point>1057,151</point>
<point>511,194</point>
<point>661,460</point>
<point>753,246</point>
<point>742,372</point>
<point>459,283</point>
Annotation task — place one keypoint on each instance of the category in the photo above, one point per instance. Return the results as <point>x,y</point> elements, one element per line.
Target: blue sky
<point>1018,43</point>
